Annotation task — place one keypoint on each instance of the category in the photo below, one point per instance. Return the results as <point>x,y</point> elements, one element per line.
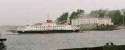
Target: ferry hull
<point>49,31</point>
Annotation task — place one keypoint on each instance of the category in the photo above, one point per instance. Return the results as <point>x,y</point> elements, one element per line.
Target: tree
<point>73,15</point>
<point>76,14</point>
<point>98,13</point>
<point>62,18</point>
<point>123,14</point>
<point>116,17</point>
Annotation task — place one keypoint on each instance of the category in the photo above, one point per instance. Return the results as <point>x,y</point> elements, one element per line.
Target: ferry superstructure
<point>48,27</point>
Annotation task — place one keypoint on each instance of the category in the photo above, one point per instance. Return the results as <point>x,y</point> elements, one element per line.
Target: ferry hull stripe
<point>49,31</point>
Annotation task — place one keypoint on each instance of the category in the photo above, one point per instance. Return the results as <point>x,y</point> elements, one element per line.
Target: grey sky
<point>15,12</point>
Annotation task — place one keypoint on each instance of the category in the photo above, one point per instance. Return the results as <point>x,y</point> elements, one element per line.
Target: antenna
<point>48,17</point>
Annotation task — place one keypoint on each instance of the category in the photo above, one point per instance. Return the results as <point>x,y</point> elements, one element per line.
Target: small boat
<point>48,27</point>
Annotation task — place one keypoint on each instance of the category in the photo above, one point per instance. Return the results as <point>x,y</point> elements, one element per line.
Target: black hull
<point>49,31</point>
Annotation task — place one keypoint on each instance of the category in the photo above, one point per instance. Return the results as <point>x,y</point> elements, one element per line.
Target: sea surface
<point>54,41</point>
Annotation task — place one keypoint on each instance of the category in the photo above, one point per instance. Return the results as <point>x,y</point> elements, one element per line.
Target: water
<point>60,41</point>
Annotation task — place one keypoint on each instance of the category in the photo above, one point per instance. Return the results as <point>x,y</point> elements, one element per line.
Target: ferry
<point>48,27</point>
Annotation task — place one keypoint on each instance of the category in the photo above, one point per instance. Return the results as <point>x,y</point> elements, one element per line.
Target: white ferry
<point>47,27</point>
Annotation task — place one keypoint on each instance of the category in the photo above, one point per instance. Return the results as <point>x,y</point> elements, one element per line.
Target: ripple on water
<point>59,41</point>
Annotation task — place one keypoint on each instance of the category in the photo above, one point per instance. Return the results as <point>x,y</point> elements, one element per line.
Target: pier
<point>2,45</point>
<point>107,46</point>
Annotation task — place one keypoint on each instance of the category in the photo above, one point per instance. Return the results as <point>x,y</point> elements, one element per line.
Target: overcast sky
<point>16,12</point>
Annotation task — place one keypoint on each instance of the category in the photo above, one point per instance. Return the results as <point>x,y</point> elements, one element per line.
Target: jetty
<point>108,46</point>
<point>2,45</point>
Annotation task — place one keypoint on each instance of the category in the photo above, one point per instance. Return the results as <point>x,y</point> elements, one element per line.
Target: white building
<point>92,20</point>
